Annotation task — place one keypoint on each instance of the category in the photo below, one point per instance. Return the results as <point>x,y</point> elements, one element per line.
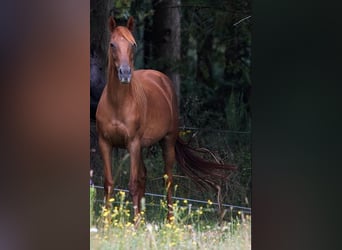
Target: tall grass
<point>92,194</point>
<point>189,229</point>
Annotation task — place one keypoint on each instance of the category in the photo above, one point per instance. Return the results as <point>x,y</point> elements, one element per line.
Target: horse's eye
<point>112,45</point>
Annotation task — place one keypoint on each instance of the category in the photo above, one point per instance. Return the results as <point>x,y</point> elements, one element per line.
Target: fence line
<point>215,130</point>
<point>203,129</point>
<point>246,210</point>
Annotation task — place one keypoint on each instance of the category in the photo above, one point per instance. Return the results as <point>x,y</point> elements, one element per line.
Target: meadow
<point>196,228</point>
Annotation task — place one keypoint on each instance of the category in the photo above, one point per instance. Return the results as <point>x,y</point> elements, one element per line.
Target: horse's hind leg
<point>106,153</point>
<point>168,146</point>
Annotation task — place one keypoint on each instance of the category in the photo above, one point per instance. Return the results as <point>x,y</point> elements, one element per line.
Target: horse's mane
<point>135,85</point>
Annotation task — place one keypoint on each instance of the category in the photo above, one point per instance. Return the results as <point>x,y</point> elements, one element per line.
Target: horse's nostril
<point>124,70</point>
<point>124,73</point>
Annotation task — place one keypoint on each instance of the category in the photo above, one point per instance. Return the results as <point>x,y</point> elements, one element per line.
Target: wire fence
<point>245,210</point>
<point>182,128</point>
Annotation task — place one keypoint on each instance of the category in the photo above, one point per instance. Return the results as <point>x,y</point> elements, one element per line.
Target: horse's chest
<point>117,133</point>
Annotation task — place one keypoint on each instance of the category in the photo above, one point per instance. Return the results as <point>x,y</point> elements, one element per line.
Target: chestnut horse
<point>139,108</point>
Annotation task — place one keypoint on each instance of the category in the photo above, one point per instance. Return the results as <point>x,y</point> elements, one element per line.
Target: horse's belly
<point>148,141</point>
<point>152,136</point>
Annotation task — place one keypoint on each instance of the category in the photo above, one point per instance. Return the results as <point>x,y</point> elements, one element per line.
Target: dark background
<point>296,120</point>
<point>205,49</point>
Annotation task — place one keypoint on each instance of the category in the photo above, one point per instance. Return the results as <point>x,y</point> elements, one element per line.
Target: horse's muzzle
<point>124,74</point>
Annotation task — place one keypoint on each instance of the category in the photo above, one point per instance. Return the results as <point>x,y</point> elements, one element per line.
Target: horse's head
<point>121,49</point>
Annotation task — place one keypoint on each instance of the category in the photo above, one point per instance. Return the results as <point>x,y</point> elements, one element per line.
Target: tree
<point>166,39</point>
<point>99,35</point>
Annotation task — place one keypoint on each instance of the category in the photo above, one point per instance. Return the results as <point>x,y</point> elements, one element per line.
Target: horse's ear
<point>130,23</point>
<point>111,24</point>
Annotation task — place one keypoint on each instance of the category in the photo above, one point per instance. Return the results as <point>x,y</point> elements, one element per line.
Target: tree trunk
<point>99,35</point>
<point>166,39</point>
<point>147,44</point>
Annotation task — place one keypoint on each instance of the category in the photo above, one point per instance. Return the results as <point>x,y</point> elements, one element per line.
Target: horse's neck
<point>131,94</point>
<point>118,93</point>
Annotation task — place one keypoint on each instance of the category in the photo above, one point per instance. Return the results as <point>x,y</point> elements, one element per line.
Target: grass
<point>188,229</point>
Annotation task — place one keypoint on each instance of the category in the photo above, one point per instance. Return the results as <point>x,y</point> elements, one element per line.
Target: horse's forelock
<point>125,33</point>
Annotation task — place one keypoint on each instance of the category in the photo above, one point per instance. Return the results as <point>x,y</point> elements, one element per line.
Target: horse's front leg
<point>137,177</point>
<point>106,153</point>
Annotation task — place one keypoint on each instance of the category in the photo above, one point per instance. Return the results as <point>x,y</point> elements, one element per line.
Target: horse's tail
<point>201,171</point>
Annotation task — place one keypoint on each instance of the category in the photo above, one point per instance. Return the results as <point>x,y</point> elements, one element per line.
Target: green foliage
<point>122,8</point>
<point>189,229</point>
<point>216,63</point>
<point>92,196</point>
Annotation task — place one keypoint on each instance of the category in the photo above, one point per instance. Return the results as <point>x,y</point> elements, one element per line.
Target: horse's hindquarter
<point>161,114</point>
